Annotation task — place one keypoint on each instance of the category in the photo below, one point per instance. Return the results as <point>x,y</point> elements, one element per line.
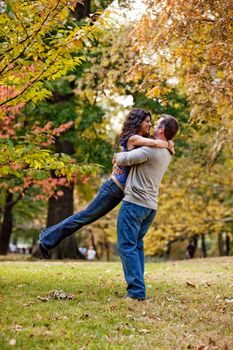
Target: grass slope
<point>189,306</point>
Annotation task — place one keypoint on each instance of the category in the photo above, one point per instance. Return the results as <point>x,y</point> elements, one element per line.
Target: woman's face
<point>145,126</point>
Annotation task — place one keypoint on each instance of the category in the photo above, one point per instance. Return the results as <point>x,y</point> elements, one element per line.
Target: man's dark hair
<point>170,125</point>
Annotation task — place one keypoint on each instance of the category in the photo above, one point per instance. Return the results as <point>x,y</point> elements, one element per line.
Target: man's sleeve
<point>136,156</point>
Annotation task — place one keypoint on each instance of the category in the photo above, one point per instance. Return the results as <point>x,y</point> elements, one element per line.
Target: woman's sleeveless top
<point>125,169</point>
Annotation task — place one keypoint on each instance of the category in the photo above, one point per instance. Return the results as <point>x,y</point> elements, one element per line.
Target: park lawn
<point>189,306</point>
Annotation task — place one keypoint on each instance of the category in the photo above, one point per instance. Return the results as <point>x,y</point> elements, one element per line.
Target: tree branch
<point>37,31</point>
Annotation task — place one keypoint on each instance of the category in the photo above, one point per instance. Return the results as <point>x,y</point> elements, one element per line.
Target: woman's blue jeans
<point>132,225</point>
<point>107,198</point>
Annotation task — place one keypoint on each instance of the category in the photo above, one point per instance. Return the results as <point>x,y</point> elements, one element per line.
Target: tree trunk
<point>7,224</point>
<point>203,246</point>
<point>107,249</point>
<point>195,241</point>
<point>168,250</point>
<point>228,245</point>
<point>60,208</point>
<point>82,10</point>
<point>94,246</point>
<point>101,250</point>
<point>220,244</point>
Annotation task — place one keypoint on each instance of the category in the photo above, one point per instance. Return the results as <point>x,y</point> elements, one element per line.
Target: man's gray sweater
<point>148,167</point>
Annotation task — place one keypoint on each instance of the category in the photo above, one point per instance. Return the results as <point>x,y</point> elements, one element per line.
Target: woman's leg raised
<point>107,198</point>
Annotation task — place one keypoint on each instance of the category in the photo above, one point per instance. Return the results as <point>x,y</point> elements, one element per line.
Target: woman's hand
<point>116,170</point>
<point>171,148</point>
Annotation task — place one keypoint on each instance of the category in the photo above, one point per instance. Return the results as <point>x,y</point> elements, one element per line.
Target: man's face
<point>157,129</point>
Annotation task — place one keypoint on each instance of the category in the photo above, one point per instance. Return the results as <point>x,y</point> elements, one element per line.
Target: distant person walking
<point>91,253</point>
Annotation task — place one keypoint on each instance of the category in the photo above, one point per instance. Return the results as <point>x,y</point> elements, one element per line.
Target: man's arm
<point>136,156</point>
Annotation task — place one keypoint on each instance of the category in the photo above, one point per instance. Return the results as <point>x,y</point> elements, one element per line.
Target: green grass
<point>176,315</point>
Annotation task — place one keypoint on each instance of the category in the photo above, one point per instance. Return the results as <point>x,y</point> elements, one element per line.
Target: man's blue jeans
<point>108,197</point>
<point>132,225</point>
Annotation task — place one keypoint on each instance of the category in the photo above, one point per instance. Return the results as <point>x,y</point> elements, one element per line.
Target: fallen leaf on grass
<point>153,317</point>
<point>203,347</point>
<point>118,295</point>
<point>44,299</point>
<point>229,300</point>
<point>17,327</point>
<point>60,295</point>
<point>191,284</point>
<point>28,304</point>
<point>47,332</point>
<point>144,331</point>
<point>83,316</point>
<point>208,284</point>
<point>131,317</point>
<point>112,307</point>
<point>211,341</point>
<point>172,299</point>
<point>12,342</point>
<point>57,294</point>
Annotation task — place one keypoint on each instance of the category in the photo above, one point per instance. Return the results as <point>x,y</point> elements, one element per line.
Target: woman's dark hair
<point>133,122</point>
<point>170,125</point>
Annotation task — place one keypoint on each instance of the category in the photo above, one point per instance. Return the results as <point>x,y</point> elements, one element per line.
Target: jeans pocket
<point>138,213</point>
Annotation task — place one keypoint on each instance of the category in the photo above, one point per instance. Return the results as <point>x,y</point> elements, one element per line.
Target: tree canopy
<point>190,44</point>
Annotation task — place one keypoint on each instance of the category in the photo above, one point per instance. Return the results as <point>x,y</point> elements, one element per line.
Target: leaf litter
<point>57,295</point>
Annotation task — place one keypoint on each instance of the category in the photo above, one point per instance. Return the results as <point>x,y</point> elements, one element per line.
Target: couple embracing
<point>136,177</point>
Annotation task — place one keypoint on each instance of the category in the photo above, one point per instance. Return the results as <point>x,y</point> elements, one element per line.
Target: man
<point>140,203</point>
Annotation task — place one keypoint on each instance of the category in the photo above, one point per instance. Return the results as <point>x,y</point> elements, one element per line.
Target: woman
<point>134,134</point>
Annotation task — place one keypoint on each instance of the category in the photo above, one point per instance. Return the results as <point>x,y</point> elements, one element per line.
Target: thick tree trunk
<point>195,241</point>
<point>60,208</point>
<point>7,224</point>
<point>203,246</point>
<point>82,10</point>
<point>220,244</point>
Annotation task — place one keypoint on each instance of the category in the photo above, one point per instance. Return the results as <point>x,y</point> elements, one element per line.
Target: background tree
<point>39,43</point>
<point>86,142</point>
<point>195,200</point>
<point>190,44</point>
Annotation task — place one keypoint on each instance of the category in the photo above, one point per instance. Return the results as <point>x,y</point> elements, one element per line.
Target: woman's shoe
<point>44,252</point>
